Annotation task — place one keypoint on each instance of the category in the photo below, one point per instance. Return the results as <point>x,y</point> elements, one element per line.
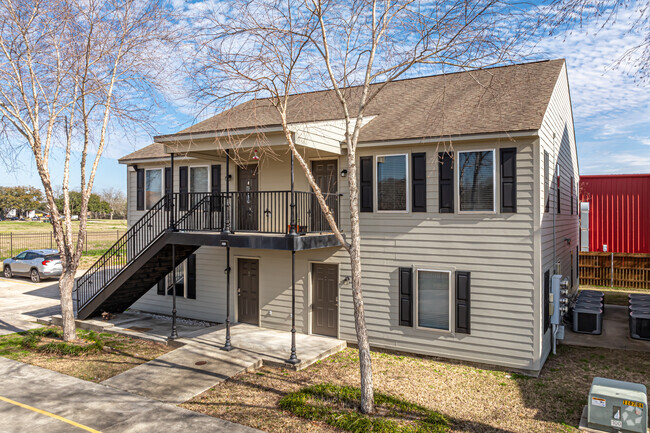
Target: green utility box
<point>617,406</point>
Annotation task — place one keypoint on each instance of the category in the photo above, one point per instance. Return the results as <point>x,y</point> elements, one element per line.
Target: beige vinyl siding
<point>558,139</point>
<point>496,248</point>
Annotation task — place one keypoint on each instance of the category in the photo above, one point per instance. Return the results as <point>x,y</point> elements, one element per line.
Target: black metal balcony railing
<point>255,211</point>
<point>258,211</point>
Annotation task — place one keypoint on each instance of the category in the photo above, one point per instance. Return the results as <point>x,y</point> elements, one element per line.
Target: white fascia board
<point>457,138</point>
<point>176,138</point>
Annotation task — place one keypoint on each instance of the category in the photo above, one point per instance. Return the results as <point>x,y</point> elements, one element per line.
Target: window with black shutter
<point>419,181</point>
<point>160,290</point>
<point>140,188</point>
<point>365,184</point>
<point>463,286</point>
<point>406,296</point>
<point>445,183</point>
<point>509,180</point>
<point>546,300</point>
<point>191,277</point>
<point>183,183</point>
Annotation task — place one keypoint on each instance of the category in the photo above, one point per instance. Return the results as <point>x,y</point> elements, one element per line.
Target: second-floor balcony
<point>263,212</point>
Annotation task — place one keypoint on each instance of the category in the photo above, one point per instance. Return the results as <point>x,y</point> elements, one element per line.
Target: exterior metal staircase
<point>143,255</point>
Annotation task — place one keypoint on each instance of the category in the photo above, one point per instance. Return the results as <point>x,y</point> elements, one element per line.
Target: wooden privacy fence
<point>13,243</point>
<point>615,269</point>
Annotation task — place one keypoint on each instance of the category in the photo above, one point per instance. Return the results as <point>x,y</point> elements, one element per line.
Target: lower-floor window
<point>185,283</point>
<point>179,284</point>
<point>433,302</point>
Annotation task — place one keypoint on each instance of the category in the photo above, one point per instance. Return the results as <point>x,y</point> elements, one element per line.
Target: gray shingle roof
<point>503,99</point>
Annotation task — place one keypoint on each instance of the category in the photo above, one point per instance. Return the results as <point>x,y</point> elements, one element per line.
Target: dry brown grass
<point>475,399</point>
<point>120,353</point>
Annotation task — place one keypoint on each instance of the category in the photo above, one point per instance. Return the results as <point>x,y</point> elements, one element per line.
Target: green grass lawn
<point>37,226</point>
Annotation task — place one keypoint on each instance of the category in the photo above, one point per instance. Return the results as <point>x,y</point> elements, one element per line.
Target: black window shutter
<point>168,185</point>
<point>445,183</point>
<point>161,286</point>
<point>509,180</point>
<point>140,188</point>
<point>182,187</point>
<point>365,185</point>
<point>463,288</point>
<point>419,181</point>
<point>191,277</point>
<point>215,202</point>
<point>406,296</point>
<point>547,299</point>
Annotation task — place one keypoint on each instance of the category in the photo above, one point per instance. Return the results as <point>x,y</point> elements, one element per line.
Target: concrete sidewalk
<point>200,363</point>
<point>56,403</point>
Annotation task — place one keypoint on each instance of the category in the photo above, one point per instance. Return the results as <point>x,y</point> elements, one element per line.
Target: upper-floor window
<point>476,181</point>
<point>392,188</point>
<point>152,187</point>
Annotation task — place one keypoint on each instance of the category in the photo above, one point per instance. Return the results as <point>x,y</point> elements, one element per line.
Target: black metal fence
<point>12,243</point>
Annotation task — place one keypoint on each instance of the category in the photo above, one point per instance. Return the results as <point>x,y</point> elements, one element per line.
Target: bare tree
<point>275,48</point>
<point>116,199</point>
<point>68,70</point>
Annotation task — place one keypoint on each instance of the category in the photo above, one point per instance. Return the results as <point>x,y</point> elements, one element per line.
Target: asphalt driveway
<point>37,400</point>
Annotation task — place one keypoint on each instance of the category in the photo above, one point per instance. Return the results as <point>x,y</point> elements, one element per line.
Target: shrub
<point>338,407</point>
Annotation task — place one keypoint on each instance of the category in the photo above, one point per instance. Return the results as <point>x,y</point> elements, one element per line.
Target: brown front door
<point>325,311</point>
<point>325,177</point>
<point>247,198</point>
<point>248,291</point>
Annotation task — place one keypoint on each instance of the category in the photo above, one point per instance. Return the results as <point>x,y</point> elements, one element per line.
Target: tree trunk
<point>66,286</point>
<point>365,361</point>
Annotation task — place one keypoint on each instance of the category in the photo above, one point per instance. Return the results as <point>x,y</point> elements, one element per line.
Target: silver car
<point>36,264</point>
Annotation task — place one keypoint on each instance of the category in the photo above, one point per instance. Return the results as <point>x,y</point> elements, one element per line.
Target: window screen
<point>199,179</point>
<point>391,182</point>
<point>433,299</point>
<point>153,187</point>
<point>476,181</point>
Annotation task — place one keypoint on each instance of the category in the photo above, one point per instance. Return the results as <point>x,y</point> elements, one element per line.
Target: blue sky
<point>611,111</point>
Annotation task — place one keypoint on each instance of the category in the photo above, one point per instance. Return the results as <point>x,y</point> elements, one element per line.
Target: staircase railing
<point>254,211</point>
<point>145,231</point>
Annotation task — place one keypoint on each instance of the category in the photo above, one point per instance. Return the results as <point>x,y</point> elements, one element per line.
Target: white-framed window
<point>153,182</point>
<point>392,183</point>
<point>476,181</point>
<point>433,299</point>
<point>180,285</point>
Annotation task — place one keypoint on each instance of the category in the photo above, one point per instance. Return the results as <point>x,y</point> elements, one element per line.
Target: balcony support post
<point>174,333</point>
<point>172,214</point>
<point>293,359</point>
<point>292,223</point>
<point>226,224</point>
<point>227,347</point>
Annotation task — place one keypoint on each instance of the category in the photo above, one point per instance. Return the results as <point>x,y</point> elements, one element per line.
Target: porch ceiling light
<point>344,173</point>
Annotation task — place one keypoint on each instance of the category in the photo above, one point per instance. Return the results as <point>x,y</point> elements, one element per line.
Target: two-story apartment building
<point>468,206</point>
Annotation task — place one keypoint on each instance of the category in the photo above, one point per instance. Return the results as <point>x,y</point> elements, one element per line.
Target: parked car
<point>36,264</point>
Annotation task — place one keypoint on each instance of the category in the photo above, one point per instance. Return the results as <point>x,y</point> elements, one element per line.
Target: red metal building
<point>619,212</point>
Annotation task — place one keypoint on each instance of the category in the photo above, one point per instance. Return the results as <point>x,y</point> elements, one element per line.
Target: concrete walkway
<point>615,335</point>
<point>200,363</point>
<point>22,302</point>
<point>38,400</point>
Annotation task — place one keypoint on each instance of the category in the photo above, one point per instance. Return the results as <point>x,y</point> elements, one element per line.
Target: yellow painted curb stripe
<point>44,412</point>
